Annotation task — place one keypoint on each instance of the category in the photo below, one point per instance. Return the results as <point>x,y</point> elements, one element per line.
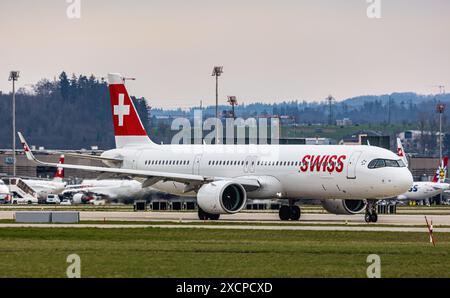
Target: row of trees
<point>397,108</point>
<point>64,113</point>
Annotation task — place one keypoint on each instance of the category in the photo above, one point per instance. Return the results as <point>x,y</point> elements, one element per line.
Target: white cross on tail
<point>121,110</point>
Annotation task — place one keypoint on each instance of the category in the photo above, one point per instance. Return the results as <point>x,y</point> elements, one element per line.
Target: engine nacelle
<point>221,197</point>
<point>347,207</point>
<point>78,198</point>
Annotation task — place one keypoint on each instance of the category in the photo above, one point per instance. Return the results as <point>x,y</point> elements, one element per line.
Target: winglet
<point>26,148</point>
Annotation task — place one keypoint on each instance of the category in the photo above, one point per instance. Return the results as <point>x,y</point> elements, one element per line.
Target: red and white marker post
<point>430,230</point>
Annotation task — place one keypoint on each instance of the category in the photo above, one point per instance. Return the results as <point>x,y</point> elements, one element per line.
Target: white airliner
<point>110,188</point>
<point>222,177</point>
<point>45,187</point>
<point>423,190</point>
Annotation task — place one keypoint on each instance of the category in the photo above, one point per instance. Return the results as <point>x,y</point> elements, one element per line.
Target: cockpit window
<point>391,163</point>
<point>386,163</point>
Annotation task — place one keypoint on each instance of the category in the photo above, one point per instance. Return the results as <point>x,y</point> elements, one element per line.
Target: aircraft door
<point>351,167</point>
<point>136,159</point>
<point>196,165</point>
<point>249,164</point>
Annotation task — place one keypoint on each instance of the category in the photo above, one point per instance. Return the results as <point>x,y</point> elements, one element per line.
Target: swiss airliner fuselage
<point>289,171</point>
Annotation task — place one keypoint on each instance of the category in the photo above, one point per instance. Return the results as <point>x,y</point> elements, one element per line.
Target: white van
<point>52,199</point>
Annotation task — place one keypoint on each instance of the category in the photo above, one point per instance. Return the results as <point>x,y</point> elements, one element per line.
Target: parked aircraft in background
<point>45,187</point>
<point>423,190</point>
<point>109,189</point>
<point>222,177</point>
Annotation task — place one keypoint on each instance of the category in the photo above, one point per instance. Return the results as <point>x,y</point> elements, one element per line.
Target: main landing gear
<point>202,215</point>
<point>291,212</point>
<point>371,211</point>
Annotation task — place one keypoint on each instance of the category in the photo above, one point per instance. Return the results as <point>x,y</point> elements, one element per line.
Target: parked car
<point>52,199</point>
<point>66,202</point>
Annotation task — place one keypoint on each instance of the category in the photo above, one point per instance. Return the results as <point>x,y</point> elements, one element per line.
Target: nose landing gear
<point>371,212</point>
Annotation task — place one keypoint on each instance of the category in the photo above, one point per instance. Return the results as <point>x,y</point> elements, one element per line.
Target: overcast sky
<point>270,50</point>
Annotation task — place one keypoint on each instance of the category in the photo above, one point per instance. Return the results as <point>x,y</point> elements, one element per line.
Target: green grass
<point>154,252</point>
<point>155,223</point>
<point>337,132</point>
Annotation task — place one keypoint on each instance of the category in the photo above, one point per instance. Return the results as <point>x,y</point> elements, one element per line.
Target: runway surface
<point>233,227</point>
<point>247,220</point>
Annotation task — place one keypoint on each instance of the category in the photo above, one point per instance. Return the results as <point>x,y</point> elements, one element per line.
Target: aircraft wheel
<point>295,213</point>
<point>374,217</point>
<point>202,215</point>
<point>284,213</point>
<point>368,218</point>
<point>214,216</point>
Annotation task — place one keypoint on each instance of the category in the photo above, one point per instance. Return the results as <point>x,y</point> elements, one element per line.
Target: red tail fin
<point>60,171</point>
<point>128,127</point>
<point>441,172</point>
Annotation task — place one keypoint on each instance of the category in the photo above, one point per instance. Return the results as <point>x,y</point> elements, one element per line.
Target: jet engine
<point>221,197</point>
<point>347,207</point>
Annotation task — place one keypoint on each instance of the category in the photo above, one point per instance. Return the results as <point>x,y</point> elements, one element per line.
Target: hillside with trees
<point>67,113</point>
<point>74,112</point>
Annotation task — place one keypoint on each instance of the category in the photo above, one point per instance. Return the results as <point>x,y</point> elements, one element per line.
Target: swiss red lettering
<point>332,163</point>
<point>324,163</point>
<point>305,161</point>
<point>340,163</point>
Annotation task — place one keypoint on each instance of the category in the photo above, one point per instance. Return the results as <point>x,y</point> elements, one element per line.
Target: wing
<point>116,162</point>
<point>148,178</point>
<point>440,186</point>
<point>402,198</point>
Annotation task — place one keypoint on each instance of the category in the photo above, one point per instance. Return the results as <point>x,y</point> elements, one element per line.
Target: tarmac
<point>247,221</point>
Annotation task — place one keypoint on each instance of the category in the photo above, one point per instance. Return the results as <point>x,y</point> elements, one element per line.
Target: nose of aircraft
<point>404,181</point>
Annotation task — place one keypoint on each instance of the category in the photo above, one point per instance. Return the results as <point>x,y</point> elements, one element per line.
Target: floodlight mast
<point>14,76</point>
<point>440,109</point>
<point>232,100</point>
<point>217,72</point>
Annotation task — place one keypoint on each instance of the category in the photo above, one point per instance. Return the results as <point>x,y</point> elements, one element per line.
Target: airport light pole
<point>14,76</point>
<point>440,108</point>
<point>217,72</point>
<point>232,100</point>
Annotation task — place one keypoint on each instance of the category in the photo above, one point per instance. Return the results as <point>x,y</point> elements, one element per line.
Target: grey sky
<point>271,50</point>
